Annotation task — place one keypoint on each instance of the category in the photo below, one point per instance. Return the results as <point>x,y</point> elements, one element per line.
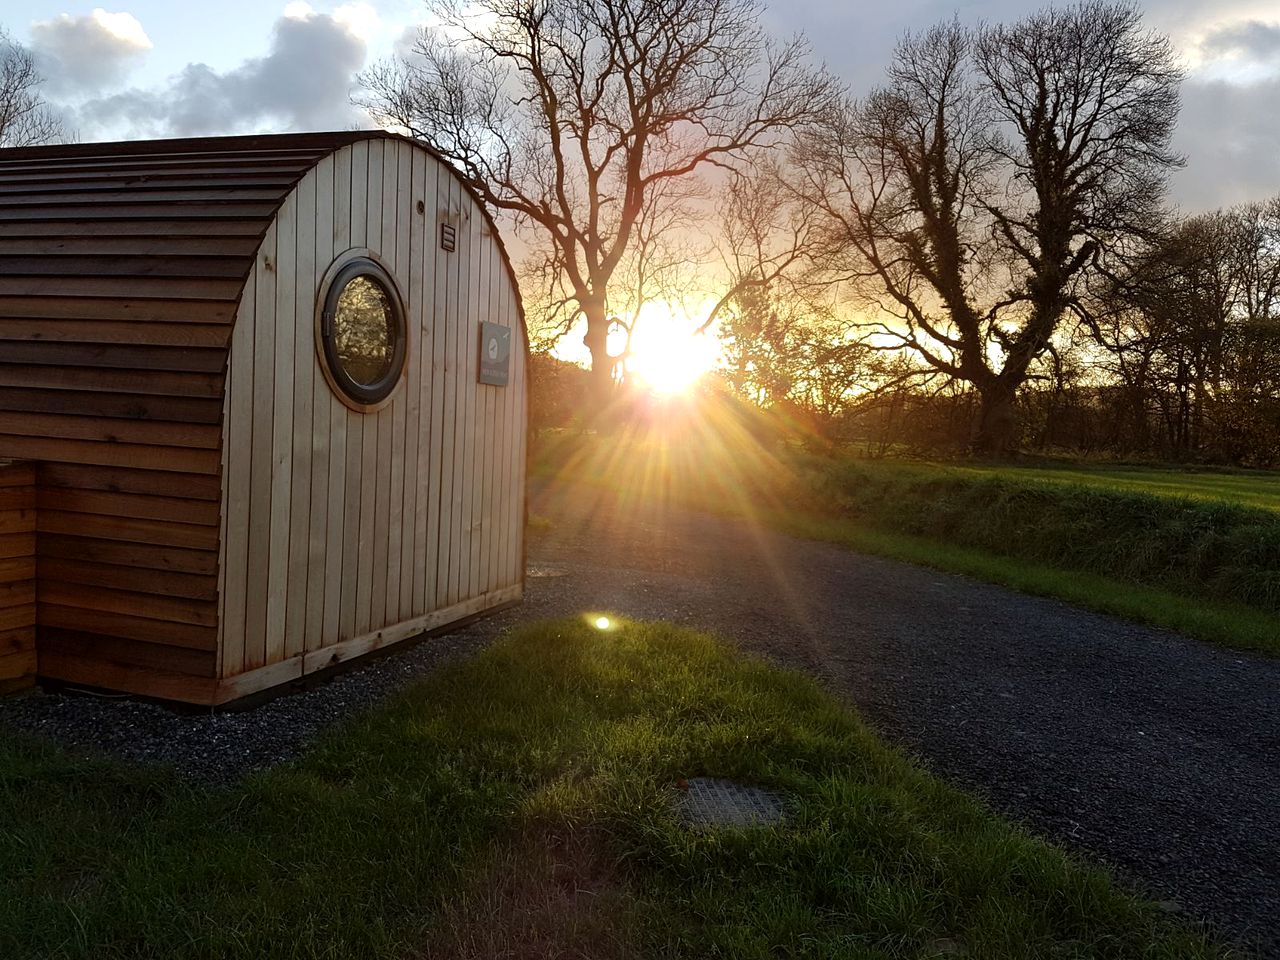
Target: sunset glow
<point>667,357</point>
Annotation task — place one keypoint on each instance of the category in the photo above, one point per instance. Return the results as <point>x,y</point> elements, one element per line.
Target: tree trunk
<point>597,343</point>
<point>995,433</point>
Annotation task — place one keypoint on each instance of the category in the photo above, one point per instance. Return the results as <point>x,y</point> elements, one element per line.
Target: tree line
<point>978,254</point>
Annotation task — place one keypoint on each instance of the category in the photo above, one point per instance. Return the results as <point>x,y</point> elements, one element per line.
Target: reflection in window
<point>364,331</point>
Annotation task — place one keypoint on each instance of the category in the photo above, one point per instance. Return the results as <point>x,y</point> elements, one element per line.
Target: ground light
<point>603,623</point>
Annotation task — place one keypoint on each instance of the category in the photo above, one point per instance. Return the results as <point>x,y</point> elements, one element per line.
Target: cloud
<point>1250,40</point>
<point>1231,137</point>
<point>303,83</point>
<point>86,53</point>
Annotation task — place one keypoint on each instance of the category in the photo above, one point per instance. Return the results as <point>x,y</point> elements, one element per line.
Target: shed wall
<point>120,268</point>
<point>17,575</point>
<point>343,531</point>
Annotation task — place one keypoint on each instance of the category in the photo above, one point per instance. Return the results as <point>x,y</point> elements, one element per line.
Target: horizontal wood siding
<point>17,576</point>
<point>344,530</point>
<point>121,269</point>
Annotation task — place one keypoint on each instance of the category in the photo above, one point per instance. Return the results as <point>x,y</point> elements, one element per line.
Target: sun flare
<point>667,357</point>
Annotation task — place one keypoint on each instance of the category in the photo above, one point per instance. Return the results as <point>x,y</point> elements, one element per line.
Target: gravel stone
<point>1155,754</point>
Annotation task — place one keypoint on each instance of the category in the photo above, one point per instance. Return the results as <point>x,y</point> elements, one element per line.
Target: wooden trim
<point>205,691</point>
<point>232,688</point>
<point>127,678</point>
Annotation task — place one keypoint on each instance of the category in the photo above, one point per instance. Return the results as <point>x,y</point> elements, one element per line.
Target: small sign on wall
<point>495,354</point>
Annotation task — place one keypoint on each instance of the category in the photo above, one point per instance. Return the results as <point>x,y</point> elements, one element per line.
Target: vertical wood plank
<point>497,419</point>
<point>282,430</point>
<point>355,423</point>
<point>263,420</point>
<point>318,533</point>
<point>335,549</point>
<point>409,267</point>
<point>501,458</point>
<point>304,436</point>
<point>521,450</point>
<point>508,456</point>
<point>460,566</point>
<point>237,452</point>
<point>488,429</point>
<point>368,573</point>
<point>386,602</point>
<point>428,456</point>
<point>447,317</point>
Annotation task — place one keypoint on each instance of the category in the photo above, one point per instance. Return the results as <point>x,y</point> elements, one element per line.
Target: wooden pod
<point>213,512</point>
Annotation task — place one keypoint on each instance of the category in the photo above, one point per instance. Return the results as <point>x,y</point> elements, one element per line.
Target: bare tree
<point>569,115</point>
<point>25,119</point>
<point>994,174</point>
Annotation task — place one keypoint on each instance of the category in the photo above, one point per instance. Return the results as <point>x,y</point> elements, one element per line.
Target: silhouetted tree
<point>573,115</point>
<point>25,119</point>
<point>973,197</point>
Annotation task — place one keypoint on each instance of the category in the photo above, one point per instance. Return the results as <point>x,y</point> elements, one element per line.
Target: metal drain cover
<point>712,802</point>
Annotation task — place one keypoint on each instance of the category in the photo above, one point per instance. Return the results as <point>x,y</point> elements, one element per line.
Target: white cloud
<point>87,53</point>
<point>361,19</point>
<point>303,83</point>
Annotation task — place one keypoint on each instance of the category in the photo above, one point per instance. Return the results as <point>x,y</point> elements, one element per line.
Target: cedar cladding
<point>122,268</point>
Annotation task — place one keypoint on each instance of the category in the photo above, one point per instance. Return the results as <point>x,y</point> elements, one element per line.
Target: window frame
<point>365,398</point>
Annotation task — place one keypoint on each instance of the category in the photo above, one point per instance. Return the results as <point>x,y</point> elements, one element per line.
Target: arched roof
<point>121,268</point>
<point>145,230</point>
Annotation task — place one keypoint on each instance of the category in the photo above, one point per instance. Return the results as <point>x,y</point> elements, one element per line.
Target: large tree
<point>973,197</point>
<point>576,117</point>
<point>25,119</point>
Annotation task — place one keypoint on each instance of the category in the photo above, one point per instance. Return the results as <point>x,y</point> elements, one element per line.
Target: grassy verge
<point>1228,625</point>
<point>1197,562</point>
<point>517,805</point>
<point>1203,566</point>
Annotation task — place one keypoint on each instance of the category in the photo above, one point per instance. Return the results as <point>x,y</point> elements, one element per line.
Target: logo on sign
<point>495,354</point>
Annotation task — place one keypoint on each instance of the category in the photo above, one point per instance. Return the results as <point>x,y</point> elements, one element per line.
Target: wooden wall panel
<point>388,522</point>
<point>17,576</point>
<point>121,269</point>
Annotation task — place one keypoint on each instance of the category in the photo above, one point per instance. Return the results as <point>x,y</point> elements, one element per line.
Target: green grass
<point>1229,625</point>
<point>516,804</point>
<point>1198,549</point>
<point>1193,551</point>
<point>1248,488</point>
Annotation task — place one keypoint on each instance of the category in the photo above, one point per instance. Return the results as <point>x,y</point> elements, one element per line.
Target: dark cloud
<point>1252,39</point>
<point>1230,134</point>
<point>1229,131</point>
<point>82,55</point>
<point>303,83</point>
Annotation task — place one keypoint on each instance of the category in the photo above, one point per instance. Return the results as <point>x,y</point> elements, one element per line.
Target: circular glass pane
<point>364,331</point>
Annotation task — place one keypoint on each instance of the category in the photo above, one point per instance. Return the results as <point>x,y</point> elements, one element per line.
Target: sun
<point>667,356</point>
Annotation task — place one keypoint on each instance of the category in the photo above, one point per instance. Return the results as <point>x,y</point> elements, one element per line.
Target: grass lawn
<point>1168,548</point>
<point>1249,488</point>
<point>517,805</point>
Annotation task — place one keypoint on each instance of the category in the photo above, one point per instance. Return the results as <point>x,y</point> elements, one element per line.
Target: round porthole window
<point>363,329</point>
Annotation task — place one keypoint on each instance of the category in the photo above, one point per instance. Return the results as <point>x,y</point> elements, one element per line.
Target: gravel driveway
<point>1156,754</point>
<point>1153,753</point>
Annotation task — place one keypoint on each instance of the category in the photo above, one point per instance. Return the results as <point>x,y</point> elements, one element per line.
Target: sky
<point>156,68</point>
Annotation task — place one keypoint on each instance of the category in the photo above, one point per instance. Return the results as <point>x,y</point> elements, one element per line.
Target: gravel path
<point>1153,753</point>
